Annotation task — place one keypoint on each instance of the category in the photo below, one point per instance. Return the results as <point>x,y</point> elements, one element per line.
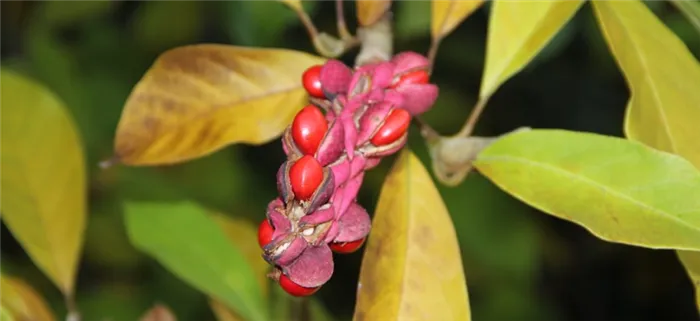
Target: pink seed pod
<point>335,77</point>
<point>372,119</point>
<point>371,151</point>
<point>354,225</point>
<point>277,215</point>
<point>332,145</point>
<point>313,268</point>
<point>284,249</point>
<point>408,61</point>
<point>414,98</point>
<point>320,196</point>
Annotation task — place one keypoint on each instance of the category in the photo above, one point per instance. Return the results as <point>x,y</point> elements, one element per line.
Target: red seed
<point>347,247</point>
<point>295,289</point>
<point>265,231</point>
<point>311,79</point>
<point>414,77</point>
<point>395,125</point>
<point>308,129</point>
<point>305,177</point>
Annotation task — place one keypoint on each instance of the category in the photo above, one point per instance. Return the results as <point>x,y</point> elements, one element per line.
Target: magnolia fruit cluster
<point>355,117</point>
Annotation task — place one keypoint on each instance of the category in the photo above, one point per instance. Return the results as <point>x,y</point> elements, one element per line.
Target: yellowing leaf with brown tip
<point>158,312</point>
<point>22,301</point>
<point>412,266</point>
<point>43,178</point>
<point>517,32</point>
<point>369,11</point>
<point>448,14</point>
<point>197,99</point>
<point>663,76</point>
<point>691,262</point>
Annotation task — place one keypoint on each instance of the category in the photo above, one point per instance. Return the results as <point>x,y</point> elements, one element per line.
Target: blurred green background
<point>520,264</point>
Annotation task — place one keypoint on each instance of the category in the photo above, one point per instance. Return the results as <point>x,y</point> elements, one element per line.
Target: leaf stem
<point>340,19</point>
<point>432,53</point>
<point>468,127</point>
<point>73,313</point>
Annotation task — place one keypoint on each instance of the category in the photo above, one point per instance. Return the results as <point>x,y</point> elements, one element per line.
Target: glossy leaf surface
<point>412,266</point>
<point>662,74</point>
<point>191,245</point>
<point>43,178</point>
<point>196,99</point>
<point>517,32</point>
<point>621,191</point>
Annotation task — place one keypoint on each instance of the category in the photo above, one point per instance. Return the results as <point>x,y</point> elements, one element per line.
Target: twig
<point>340,19</point>
<point>376,41</point>
<point>73,314</point>
<point>468,127</point>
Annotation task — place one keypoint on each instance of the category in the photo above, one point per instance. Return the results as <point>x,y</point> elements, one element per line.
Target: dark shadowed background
<point>521,264</point>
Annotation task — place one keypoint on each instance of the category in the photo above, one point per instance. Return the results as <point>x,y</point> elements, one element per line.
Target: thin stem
<point>73,314</point>
<point>434,45</point>
<point>468,127</point>
<point>428,133</point>
<point>340,19</point>
<point>308,24</point>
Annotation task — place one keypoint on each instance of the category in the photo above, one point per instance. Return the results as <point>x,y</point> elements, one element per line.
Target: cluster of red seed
<point>367,114</point>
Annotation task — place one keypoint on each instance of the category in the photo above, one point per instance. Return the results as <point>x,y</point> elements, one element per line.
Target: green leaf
<point>518,30</point>
<point>412,267</point>
<point>188,243</point>
<point>621,191</point>
<point>43,178</point>
<point>691,262</point>
<point>662,75</point>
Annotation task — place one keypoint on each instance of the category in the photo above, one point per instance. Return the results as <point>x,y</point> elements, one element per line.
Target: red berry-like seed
<point>265,231</point>
<point>395,125</point>
<point>308,129</point>
<point>347,247</point>
<point>295,289</point>
<point>311,79</point>
<point>414,77</point>
<point>305,176</point>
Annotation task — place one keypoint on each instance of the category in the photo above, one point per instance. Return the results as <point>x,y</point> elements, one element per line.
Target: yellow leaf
<point>448,14</point>
<point>691,262</point>
<point>517,31</point>
<point>43,178</point>
<point>369,11</point>
<point>197,99</point>
<point>662,74</point>
<point>222,312</point>
<point>22,302</point>
<point>158,312</point>
<point>294,4</point>
<point>244,236</point>
<point>412,267</point>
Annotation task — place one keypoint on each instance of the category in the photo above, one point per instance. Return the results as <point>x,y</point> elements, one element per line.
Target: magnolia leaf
<point>43,178</point>
<point>665,104</point>
<point>690,10</point>
<point>158,312</point>
<point>21,301</point>
<point>517,32</point>
<point>412,266</point>
<point>370,11</point>
<point>691,262</point>
<point>620,190</point>
<point>244,236</point>
<point>192,246</point>
<point>448,14</point>
<point>197,99</point>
